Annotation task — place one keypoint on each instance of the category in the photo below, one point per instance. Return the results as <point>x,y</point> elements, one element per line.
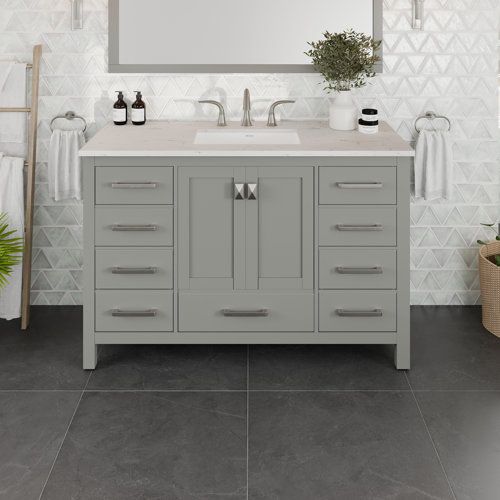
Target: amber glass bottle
<point>139,110</point>
<point>120,110</point>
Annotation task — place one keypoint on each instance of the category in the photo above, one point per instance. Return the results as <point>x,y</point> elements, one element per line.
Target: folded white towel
<point>12,95</point>
<point>434,165</point>
<point>65,170</point>
<point>12,203</point>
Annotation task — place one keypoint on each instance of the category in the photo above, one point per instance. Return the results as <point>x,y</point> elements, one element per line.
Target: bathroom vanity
<point>197,234</point>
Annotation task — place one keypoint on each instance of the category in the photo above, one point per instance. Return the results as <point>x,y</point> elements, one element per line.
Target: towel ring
<point>430,115</point>
<point>69,115</point>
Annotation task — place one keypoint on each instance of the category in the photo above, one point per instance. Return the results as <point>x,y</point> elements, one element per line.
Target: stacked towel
<point>13,94</point>
<point>65,170</point>
<point>12,203</point>
<point>434,165</point>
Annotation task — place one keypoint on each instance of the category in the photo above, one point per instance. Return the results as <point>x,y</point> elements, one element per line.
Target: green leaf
<point>11,249</point>
<point>487,225</point>
<point>497,260</point>
<point>481,242</point>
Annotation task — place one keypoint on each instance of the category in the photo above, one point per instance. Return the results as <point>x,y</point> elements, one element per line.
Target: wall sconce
<point>418,15</point>
<point>76,14</point>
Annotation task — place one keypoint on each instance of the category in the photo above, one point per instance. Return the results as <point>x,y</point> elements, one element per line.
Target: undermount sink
<point>247,136</point>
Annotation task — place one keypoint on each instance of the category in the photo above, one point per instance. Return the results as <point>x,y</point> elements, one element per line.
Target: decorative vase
<point>343,112</point>
<point>490,287</point>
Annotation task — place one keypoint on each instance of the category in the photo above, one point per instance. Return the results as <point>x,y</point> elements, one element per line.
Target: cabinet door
<point>279,228</point>
<point>211,230</point>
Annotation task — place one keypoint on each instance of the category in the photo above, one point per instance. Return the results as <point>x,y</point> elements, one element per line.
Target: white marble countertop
<point>176,138</point>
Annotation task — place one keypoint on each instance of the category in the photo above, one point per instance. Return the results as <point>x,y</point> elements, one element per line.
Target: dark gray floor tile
<point>452,350</point>
<point>147,445</point>
<point>47,356</point>
<point>174,367</point>
<point>465,427</point>
<point>32,427</point>
<point>340,446</point>
<point>324,367</point>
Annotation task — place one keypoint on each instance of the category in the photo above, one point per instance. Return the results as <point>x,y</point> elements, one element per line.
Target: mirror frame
<point>114,65</point>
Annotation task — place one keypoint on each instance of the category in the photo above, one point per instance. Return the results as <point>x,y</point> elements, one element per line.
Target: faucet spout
<point>247,119</point>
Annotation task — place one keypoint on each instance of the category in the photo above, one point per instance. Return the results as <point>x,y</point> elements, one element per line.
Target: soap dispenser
<point>138,110</point>
<point>120,110</point>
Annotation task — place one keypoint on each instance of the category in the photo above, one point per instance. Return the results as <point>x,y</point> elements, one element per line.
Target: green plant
<point>11,249</point>
<point>346,60</point>
<point>495,258</point>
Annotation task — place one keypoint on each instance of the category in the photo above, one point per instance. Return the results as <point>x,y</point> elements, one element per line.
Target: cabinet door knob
<point>359,313</point>
<point>251,191</point>
<point>239,191</point>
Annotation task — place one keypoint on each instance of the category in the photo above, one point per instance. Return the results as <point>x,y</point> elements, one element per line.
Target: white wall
<point>450,67</point>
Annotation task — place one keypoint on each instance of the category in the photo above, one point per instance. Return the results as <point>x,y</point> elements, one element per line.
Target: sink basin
<point>247,136</point>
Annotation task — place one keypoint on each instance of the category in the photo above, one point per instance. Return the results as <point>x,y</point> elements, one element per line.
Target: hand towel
<point>12,203</point>
<point>12,95</point>
<point>434,165</point>
<point>65,170</point>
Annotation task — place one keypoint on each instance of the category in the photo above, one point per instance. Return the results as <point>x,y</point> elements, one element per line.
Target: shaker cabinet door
<point>211,228</point>
<point>279,228</point>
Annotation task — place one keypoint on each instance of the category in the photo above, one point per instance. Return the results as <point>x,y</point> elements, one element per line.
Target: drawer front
<point>134,268</point>
<point>132,311</point>
<point>246,312</point>
<point>357,185</point>
<point>357,311</point>
<point>373,268</point>
<point>134,185</point>
<point>137,225</point>
<point>357,226</point>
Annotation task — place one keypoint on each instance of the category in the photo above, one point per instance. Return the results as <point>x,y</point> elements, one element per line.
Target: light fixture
<point>76,14</point>
<point>418,15</point>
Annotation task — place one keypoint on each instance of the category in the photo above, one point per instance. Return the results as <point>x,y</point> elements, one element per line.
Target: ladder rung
<point>15,110</point>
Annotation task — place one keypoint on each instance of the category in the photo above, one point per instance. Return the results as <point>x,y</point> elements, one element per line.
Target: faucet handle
<point>221,121</point>
<point>271,119</point>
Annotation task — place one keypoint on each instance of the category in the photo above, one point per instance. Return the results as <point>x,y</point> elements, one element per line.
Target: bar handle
<point>359,227</point>
<point>146,313</point>
<point>359,313</point>
<point>134,185</point>
<point>359,270</point>
<point>134,270</point>
<point>134,227</point>
<point>245,313</point>
<point>360,185</point>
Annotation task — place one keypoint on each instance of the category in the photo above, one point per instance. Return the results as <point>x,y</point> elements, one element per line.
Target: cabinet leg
<point>402,356</point>
<point>89,354</point>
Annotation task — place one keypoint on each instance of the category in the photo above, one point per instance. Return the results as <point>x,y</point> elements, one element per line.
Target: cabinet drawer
<point>134,185</point>
<point>357,226</point>
<point>246,312</point>
<point>357,185</point>
<point>357,311</point>
<point>373,268</point>
<point>137,225</point>
<point>134,268</point>
<point>131,311</point>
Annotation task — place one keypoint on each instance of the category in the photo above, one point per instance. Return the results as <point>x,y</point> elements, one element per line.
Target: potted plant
<point>489,274</point>
<point>11,249</point>
<point>346,60</point>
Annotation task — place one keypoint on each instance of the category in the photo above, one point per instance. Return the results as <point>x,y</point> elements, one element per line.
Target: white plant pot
<point>343,112</point>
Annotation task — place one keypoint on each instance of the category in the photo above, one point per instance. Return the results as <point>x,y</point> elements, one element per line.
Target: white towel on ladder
<point>65,170</point>
<point>12,203</point>
<point>434,165</point>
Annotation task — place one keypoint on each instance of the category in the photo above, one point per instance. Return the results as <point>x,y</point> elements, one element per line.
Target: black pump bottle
<point>139,110</point>
<point>120,110</point>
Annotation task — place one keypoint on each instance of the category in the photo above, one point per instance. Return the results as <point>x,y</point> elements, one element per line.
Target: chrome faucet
<point>221,121</point>
<point>271,119</point>
<point>247,119</point>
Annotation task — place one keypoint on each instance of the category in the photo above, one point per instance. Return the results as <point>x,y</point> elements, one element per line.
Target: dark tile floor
<point>258,422</point>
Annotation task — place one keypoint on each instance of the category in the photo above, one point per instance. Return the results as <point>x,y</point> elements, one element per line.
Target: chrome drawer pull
<point>360,185</point>
<point>359,270</point>
<point>147,313</point>
<point>359,313</point>
<point>359,227</point>
<point>239,191</point>
<point>251,191</point>
<point>134,270</point>
<point>245,313</point>
<point>134,227</point>
<point>134,185</point>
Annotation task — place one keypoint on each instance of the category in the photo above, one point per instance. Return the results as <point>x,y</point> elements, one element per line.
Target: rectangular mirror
<point>228,36</point>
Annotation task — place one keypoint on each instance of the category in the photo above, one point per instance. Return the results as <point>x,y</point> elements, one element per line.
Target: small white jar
<point>368,127</point>
<point>369,115</point>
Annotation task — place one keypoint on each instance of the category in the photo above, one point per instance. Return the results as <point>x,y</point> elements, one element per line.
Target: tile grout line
<point>431,438</point>
<point>64,437</point>
<point>248,413</point>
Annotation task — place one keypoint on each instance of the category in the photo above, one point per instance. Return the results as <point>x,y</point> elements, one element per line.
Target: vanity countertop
<point>176,138</point>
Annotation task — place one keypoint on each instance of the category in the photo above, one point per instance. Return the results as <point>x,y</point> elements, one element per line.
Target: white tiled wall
<point>451,67</point>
